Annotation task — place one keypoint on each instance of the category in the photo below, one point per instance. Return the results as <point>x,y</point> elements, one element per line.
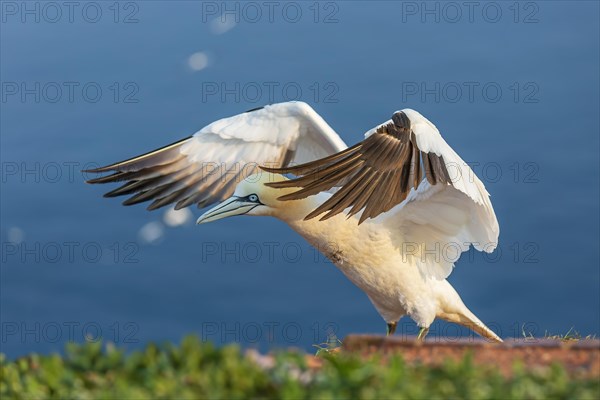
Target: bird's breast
<point>369,257</point>
<point>362,252</point>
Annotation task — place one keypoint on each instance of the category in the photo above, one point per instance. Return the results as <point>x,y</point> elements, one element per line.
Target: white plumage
<point>396,210</point>
<point>263,135</point>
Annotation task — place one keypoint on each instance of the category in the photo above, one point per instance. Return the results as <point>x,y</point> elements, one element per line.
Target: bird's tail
<point>454,310</point>
<point>468,319</point>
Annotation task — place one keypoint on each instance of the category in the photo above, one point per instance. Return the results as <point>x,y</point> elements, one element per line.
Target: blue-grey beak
<point>234,205</point>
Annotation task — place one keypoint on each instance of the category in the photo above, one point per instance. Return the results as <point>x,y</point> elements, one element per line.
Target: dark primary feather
<point>374,175</point>
<point>166,176</point>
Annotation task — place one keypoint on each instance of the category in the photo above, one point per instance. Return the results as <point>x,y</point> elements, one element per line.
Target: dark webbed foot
<point>422,333</point>
<point>391,328</point>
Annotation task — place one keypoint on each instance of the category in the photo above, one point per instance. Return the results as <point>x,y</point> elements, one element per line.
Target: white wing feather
<point>435,224</point>
<point>206,167</point>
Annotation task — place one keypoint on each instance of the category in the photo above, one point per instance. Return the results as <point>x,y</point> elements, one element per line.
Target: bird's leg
<point>422,333</point>
<point>391,328</point>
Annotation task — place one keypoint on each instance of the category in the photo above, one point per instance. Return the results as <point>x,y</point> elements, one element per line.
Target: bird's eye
<point>253,197</point>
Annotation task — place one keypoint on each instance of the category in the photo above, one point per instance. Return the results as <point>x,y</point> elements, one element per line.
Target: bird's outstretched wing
<point>405,169</point>
<point>206,167</point>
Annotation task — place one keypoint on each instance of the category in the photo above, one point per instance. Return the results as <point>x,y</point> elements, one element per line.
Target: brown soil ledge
<point>578,357</point>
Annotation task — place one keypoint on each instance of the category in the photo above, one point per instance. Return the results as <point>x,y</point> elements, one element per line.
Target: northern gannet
<point>399,207</point>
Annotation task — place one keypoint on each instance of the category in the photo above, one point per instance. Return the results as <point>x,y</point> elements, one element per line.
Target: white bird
<point>396,210</point>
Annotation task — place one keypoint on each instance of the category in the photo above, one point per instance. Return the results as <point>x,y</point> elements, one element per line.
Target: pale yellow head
<point>253,197</point>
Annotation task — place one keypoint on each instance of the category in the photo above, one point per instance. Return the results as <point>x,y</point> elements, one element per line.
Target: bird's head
<point>252,197</point>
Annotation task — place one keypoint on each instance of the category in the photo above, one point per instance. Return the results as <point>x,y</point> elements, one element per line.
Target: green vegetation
<point>200,370</point>
<point>571,335</point>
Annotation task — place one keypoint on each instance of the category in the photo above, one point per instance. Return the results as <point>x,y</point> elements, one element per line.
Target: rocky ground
<point>580,357</point>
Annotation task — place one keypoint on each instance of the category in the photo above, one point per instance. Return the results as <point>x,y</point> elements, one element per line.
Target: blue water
<point>515,93</point>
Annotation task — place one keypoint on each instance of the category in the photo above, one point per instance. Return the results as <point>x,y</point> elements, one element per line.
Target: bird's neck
<point>318,233</point>
<point>293,212</point>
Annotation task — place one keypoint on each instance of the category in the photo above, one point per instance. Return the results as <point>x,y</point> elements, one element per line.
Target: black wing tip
<point>281,184</point>
<point>105,179</point>
<point>115,166</point>
<point>277,170</point>
<point>152,206</point>
<point>290,196</point>
<point>399,128</point>
<point>269,169</point>
<point>401,120</point>
<point>98,170</point>
<point>132,201</point>
<point>254,109</point>
<point>116,192</point>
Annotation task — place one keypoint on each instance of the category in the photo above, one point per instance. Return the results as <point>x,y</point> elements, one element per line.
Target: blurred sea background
<point>516,94</point>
